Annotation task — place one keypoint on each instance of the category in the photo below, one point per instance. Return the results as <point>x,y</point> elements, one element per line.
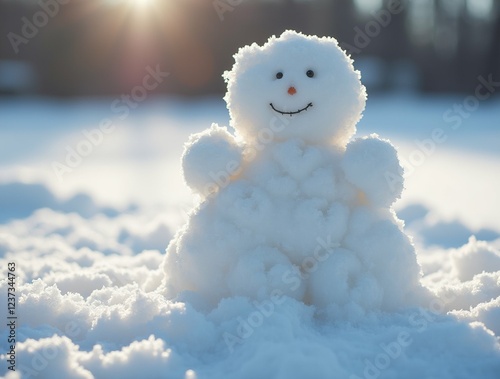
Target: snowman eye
<point>279,75</point>
<point>310,73</point>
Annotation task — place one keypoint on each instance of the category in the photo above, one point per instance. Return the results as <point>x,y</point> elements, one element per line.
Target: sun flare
<point>134,3</point>
<point>142,3</point>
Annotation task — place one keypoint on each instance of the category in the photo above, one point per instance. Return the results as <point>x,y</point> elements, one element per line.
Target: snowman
<point>290,206</point>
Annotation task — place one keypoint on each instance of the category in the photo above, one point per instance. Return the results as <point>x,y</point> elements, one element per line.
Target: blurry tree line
<point>102,47</point>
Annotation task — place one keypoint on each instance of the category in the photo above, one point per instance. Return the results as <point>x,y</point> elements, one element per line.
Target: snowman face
<point>295,87</point>
<point>292,91</point>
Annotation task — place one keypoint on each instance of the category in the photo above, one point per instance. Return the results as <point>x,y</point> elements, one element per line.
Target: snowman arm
<point>372,165</point>
<point>210,160</point>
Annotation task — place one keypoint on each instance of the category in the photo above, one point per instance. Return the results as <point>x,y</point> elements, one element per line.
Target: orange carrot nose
<point>292,91</point>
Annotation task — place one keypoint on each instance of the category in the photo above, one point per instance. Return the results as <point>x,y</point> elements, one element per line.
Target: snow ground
<point>89,247</point>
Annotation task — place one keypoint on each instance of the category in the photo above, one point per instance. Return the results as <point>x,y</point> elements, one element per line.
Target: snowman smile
<point>291,113</point>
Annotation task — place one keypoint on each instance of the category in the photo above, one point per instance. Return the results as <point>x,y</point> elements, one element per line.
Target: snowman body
<point>289,206</point>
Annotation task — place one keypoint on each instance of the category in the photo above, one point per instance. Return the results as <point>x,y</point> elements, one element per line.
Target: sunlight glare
<point>142,3</point>
<point>135,3</point>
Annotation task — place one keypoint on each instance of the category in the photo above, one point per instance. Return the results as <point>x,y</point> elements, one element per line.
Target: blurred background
<point>96,47</point>
<point>67,67</point>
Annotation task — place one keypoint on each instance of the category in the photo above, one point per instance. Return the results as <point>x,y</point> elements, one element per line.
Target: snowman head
<point>295,86</point>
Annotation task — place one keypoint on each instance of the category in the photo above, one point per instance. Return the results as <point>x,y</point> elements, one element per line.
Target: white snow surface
<point>90,258</point>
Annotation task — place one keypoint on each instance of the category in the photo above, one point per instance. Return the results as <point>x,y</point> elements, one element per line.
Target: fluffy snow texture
<point>96,313</point>
<point>289,205</point>
<point>293,266</point>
